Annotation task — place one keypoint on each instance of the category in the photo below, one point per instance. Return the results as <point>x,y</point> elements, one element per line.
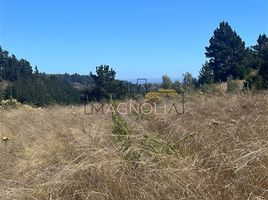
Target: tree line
<point>227,58</point>
<point>32,87</point>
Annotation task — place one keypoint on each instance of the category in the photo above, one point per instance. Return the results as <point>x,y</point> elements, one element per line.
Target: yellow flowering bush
<point>160,95</point>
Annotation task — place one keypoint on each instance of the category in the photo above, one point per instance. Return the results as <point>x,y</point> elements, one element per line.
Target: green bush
<point>120,127</point>
<point>255,81</point>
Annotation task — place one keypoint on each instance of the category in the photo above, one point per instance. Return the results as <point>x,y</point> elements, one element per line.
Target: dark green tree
<point>12,69</point>
<point>25,69</point>
<point>259,48</point>
<point>36,70</point>
<point>3,63</point>
<point>258,62</point>
<point>226,53</point>
<point>263,71</point>
<point>206,75</point>
<point>104,81</point>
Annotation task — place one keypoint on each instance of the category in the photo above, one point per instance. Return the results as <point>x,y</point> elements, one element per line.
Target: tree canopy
<point>226,53</point>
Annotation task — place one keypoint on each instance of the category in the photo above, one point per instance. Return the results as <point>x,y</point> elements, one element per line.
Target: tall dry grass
<point>217,150</point>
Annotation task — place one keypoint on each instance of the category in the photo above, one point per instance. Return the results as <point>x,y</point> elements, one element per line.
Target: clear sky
<point>138,38</point>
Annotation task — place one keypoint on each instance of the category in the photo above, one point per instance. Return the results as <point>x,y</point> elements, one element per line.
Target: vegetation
<point>105,85</point>
<point>160,95</point>
<point>43,89</point>
<point>206,75</point>
<point>216,150</point>
<point>228,57</point>
<point>226,53</point>
<point>232,85</point>
<point>166,82</point>
<point>261,54</point>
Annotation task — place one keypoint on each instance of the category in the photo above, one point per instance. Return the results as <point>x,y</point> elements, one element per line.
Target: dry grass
<point>217,150</point>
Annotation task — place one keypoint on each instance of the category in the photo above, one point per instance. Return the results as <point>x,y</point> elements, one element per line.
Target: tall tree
<point>104,83</point>
<point>226,53</point>
<point>258,61</point>
<point>259,48</point>
<point>263,71</point>
<point>3,63</point>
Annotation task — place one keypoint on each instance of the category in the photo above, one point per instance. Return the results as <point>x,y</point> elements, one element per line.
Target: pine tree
<point>259,48</point>
<point>226,53</point>
<point>206,75</point>
<point>263,71</point>
<point>3,63</point>
<point>259,63</point>
<point>104,81</point>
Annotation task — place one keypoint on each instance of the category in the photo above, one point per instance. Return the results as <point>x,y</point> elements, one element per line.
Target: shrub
<point>209,89</point>
<point>153,97</point>
<point>255,81</point>
<point>232,86</point>
<point>120,127</point>
<point>159,96</point>
<point>10,103</point>
<point>13,103</point>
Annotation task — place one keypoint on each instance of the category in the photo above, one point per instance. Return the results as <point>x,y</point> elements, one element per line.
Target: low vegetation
<point>160,95</point>
<point>217,150</point>
<point>215,146</point>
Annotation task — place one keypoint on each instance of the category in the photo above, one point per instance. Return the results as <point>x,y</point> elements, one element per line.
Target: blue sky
<point>138,38</point>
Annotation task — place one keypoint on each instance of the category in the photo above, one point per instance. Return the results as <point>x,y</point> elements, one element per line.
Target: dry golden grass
<point>217,150</point>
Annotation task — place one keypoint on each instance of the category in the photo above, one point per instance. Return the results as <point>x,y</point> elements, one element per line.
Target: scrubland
<point>218,149</point>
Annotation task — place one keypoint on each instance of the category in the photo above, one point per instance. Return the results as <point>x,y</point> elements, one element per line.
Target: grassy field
<point>217,150</point>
